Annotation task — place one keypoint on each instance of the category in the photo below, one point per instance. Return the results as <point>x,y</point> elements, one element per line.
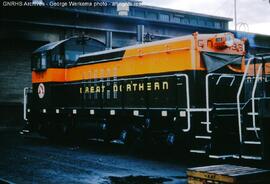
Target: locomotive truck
<point>198,92</point>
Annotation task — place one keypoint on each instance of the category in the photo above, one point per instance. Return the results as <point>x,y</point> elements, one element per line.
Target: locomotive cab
<point>55,56</point>
<point>62,53</point>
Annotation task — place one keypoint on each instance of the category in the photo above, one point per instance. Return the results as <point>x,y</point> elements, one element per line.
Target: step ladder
<point>201,143</point>
<point>249,127</point>
<point>225,141</point>
<point>252,146</point>
<point>201,137</point>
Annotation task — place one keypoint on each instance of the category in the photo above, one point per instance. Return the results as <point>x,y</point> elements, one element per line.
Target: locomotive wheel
<point>65,129</point>
<point>170,139</point>
<point>137,135</point>
<point>106,136</point>
<point>44,129</point>
<point>123,137</point>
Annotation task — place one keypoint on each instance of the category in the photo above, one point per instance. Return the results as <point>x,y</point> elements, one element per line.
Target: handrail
<point>207,98</point>
<point>238,99</point>
<point>253,100</point>
<point>226,76</point>
<point>207,93</point>
<point>25,91</point>
<point>188,103</point>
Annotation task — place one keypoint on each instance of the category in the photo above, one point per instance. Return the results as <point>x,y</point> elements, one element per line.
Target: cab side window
<point>72,51</point>
<point>57,59</point>
<point>43,61</point>
<point>39,61</point>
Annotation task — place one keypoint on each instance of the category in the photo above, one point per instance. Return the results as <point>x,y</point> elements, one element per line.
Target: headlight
<point>229,40</point>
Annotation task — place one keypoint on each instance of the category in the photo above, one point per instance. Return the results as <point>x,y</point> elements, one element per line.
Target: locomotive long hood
<point>214,61</point>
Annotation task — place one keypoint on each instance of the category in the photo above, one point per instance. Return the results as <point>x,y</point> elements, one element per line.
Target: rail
<point>238,99</point>
<point>26,90</point>
<point>207,92</point>
<point>226,76</point>
<point>207,101</point>
<point>188,103</point>
<point>253,100</point>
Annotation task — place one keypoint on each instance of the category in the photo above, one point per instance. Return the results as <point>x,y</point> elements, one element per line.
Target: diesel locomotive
<point>198,92</point>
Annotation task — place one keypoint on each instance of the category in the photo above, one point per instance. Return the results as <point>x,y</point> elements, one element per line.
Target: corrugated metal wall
<point>15,72</point>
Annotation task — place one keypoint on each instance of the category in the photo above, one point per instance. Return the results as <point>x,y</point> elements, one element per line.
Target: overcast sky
<point>254,13</point>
